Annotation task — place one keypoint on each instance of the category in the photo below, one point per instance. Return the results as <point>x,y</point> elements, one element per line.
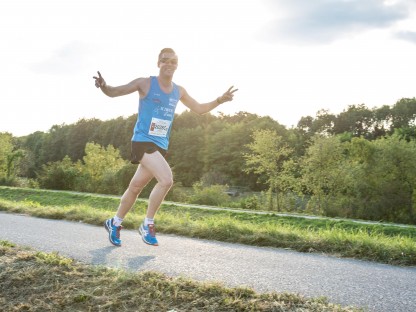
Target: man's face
<point>168,62</point>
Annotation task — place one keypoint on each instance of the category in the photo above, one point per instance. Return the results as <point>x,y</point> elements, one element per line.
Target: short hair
<point>166,50</point>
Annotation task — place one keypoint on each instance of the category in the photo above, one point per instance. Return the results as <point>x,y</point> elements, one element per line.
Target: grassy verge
<point>37,281</point>
<point>375,242</point>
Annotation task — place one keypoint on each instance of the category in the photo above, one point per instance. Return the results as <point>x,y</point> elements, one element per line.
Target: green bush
<point>21,182</point>
<point>109,184</point>
<point>59,175</point>
<point>210,195</point>
<point>177,194</point>
<point>251,202</point>
<point>124,176</point>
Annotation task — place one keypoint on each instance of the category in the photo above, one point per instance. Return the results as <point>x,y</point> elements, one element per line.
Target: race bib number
<point>159,127</point>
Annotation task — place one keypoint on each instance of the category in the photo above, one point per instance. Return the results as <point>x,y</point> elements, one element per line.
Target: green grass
<point>38,281</point>
<point>375,242</point>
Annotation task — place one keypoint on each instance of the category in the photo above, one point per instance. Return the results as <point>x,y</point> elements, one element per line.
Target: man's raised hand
<point>227,96</point>
<point>99,81</point>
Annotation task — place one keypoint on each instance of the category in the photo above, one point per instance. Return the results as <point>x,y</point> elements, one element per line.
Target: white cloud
<point>68,59</point>
<point>406,35</point>
<point>324,21</point>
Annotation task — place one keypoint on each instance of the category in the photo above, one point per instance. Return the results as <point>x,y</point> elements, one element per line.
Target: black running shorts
<point>139,148</point>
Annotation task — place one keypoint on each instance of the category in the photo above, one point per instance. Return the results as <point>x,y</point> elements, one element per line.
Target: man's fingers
<point>230,90</point>
<point>99,76</point>
<point>98,80</point>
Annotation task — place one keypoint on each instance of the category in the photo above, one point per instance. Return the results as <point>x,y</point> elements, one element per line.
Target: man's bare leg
<point>156,165</point>
<point>140,179</point>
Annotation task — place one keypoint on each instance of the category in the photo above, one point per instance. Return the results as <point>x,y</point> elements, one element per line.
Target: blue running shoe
<point>113,232</point>
<point>148,234</point>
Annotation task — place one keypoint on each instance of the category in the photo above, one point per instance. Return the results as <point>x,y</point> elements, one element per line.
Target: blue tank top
<point>155,117</point>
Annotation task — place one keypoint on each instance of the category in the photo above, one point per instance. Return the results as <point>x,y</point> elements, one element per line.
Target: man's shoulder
<point>144,81</point>
<point>143,85</point>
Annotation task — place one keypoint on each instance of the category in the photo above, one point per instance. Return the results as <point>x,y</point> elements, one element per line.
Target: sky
<point>288,58</point>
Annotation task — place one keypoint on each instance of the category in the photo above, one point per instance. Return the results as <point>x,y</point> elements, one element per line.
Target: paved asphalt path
<point>377,287</point>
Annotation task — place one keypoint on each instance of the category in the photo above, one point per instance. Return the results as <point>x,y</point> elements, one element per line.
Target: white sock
<point>148,221</point>
<point>117,221</point>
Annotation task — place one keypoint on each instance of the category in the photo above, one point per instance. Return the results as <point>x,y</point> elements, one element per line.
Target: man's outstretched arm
<point>117,91</point>
<point>202,108</point>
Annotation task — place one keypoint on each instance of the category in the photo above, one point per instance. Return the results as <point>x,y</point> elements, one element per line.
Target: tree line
<point>358,163</point>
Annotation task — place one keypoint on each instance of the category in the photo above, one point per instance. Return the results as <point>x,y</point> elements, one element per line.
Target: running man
<point>159,96</point>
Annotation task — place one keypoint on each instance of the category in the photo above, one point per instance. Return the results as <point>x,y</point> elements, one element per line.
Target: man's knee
<point>136,187</point>
<point>166,182</point>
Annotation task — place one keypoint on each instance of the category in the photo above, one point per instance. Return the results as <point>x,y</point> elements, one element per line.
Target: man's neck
<point>164,80</point>
<point>165,83</point>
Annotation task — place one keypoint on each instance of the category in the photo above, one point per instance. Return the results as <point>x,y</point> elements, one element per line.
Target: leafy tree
<point>187,144</point>
<point>305,127</point>
<point>184,155</point>
<point>55,144</point>
<point>361,186</point>
<point>59,175</point>
<point>223,152</point>
<point>382,179</point>
<point>9,158</point>
<point>12,160</point>
<point>190,120</point>
<point>404,113</point>
<point>226,144</point>
<point>33,144</point>
<point>393,180</point>
<point>116,132</point>
<point>357,119</point>
<point>324,122</point>
<point>324,174</point>
<point>361,178</point>
<point>99,162</point>
<point>79,134</point>
<point>382,121</point>
<point>267,155</point>
<point>6,149</point>
<point>362,121</point>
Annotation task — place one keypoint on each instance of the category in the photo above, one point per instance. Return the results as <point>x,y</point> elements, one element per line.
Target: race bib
<point>159,127</point>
